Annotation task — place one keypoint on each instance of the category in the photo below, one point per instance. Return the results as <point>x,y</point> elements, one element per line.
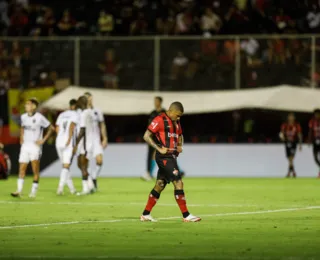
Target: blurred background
<point>160,45</point>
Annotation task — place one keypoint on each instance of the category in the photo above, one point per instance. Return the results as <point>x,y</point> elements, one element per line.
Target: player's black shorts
<point>291,148</point>
<point>168,168</point>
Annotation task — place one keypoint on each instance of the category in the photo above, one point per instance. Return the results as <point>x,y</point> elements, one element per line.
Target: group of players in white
<point>81,132</point>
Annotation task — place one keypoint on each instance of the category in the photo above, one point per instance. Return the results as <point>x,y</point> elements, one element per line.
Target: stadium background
<point>159,46</point>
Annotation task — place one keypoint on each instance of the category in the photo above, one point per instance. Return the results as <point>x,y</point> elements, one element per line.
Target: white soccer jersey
<point>64,121</point>
<point>98,118</point>
<point>87,122</point>
<point>33,127</point>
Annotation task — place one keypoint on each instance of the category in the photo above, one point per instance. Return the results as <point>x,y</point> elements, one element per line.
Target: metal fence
<point>165,63</point>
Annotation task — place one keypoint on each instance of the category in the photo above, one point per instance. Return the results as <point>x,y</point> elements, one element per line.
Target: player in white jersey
<point>31,140</point>
<point>86,136</point>
<point>66,135</point>
<point>100,138</point>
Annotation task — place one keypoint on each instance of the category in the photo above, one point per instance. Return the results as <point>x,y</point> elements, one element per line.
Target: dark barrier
<point>49,156</point>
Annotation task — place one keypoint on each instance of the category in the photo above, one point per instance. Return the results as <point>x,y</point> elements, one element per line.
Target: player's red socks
<point>181,200</point>
<point>153,198</point>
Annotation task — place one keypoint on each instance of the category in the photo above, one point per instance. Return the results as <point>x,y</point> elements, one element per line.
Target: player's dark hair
<point>72,102</point>
<point>34,101</point>
<point>317,110</point>
<point>159,98</point>
<point>82,102</point>
<point>177,106</point>
<point>88,94</point>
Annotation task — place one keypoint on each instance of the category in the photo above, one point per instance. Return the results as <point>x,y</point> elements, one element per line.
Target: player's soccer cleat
<point>147,218</point>
<point>146,177</point>
<point>191,218</point>
<point>82,193</point>
<point>59,192</point>
<point>32,195</point>
<point>15,194</point>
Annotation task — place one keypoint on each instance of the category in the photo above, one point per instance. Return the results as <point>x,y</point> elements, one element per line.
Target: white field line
<point>166,218</point>
<point>21,202</point>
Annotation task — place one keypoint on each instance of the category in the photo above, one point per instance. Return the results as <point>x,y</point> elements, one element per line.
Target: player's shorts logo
<point>175,172</point>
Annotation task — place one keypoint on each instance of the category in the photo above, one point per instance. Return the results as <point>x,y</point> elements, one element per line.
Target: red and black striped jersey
<point>291,131</point>
<point>314,126</point>
<point>166,131</point>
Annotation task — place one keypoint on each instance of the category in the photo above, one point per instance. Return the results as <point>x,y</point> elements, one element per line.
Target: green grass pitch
<point>242,219</point>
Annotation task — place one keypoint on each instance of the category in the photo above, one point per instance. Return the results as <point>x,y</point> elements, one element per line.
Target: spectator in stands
<point>250,48</point>
<point>26,67</point>
<point>296,49</point>
<point>18,22</point>
<point>3,56</point>
<point>139,26</point>
<point>179,65</point>
<point>49,22</point>
<point>4,19</point>
<point>66,25</point>
<point>210,22</point>
<point>282,20</point>
<point>313,18</point>
<point>4,82</point>
<point>15,77</point>
<point>16,54</point>
<point>105,23</point>
<point>166,24</point>
<point>193,66</point>
<point>185,23</point>
<point>110,70</point>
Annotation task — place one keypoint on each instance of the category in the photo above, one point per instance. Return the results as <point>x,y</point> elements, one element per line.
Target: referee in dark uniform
<point>158,109</point>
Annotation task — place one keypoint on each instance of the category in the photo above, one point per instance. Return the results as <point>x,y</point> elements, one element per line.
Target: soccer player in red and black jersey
<point>291,134</point>
<point>5,163</point>
<point>314,136</point>
<point>167,131</point>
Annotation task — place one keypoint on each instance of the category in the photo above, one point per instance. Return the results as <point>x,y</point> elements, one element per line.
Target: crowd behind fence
<point>161,63</point>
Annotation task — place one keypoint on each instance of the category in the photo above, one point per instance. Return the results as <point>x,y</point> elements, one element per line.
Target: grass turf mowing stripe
<point>166,218</point>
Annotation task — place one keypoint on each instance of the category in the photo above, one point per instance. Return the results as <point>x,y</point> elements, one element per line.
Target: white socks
<point>20,185</point>
<point>34,188</point>
<point>96,172</point>
<point>90,183</point>
<point>85,188</point>
<point>70,183</point>
<point>63,179</point>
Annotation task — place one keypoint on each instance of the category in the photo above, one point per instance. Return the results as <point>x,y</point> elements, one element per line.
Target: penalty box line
<point>165,218</point>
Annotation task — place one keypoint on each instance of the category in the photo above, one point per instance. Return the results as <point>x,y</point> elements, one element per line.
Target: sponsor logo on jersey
<point>173,135</point>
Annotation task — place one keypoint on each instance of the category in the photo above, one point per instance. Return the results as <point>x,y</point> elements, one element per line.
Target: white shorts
<point>65,154</point>
<point>97,148</point>
<point>29,152</point>
<point>87,152</point>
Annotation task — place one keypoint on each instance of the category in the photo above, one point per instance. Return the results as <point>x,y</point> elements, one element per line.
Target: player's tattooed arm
<point>104,133</point>
<point>180,144</point>
<point>149,140</point>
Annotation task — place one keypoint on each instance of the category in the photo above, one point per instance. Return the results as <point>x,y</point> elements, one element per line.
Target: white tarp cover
<point>125,102</point>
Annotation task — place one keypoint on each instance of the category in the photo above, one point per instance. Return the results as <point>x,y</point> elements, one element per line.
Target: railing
<point>165,63</point>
